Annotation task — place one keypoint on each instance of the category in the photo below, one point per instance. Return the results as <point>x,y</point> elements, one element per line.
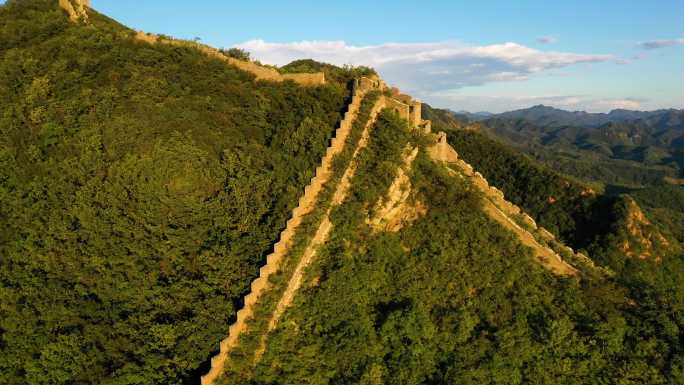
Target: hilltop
<point>173,213</point>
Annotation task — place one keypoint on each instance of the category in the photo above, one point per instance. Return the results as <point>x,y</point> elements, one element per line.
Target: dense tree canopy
<point>454,298</point>
<point>141,187</point>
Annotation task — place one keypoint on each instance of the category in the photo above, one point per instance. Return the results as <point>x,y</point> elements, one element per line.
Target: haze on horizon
<point>584,55</point>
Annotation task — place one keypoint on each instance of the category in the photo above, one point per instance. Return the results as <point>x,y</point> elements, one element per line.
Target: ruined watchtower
<point>408,108</point>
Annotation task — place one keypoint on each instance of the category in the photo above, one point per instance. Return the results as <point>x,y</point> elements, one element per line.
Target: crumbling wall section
<point>408,108</point>
<point>402,109</point>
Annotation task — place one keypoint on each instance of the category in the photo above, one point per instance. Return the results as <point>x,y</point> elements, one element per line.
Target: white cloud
<point>611,104</point>
<point>426,67</point>
<point>547,40</point>
<point>498,103</point>
<point>655,44</point>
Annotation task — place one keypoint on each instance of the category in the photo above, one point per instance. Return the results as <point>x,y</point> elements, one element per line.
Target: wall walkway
<point>273,261</point>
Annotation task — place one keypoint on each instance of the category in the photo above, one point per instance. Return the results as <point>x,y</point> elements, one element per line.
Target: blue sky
<point>464,55</point>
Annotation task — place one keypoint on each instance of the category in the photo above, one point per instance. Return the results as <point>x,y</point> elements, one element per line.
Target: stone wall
<point>402,109</point>
<point>273,261</point>
<point>505,212</point>
<point>415,110</point>
<point>408,108</point>
<point>259,71</point>
<point>323,231</point>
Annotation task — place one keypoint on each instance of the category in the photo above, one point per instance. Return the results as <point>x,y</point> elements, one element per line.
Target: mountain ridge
<point>551,116</point>
<point>148,192</point>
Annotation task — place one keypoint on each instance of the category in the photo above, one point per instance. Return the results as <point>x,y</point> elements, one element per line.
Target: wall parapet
<point>306,205</point>
<point>259,71</point>
<point>504,212</point>
<point>408,108</point>
<point>324,228</point>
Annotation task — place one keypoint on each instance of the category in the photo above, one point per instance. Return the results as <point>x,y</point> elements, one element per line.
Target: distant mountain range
<point>475,116</point>
<point>550,116</point>
<point>622,146</point>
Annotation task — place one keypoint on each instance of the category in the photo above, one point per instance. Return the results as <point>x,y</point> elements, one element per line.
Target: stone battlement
<point>408,109</point>
<point>405,106</point>
<point>274,260</point>
<point>77,11</point>
<point>259,71</point>
<point>505,212</point>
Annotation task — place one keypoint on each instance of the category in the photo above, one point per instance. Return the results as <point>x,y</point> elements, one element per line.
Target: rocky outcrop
<point>396,210</point>
<point>643,240</point>
<point>259,71</point>
<point>324,228</point>
<point>77,9</point>
<point>274,260</point>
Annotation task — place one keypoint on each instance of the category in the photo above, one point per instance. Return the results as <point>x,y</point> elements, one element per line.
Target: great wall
<point>259,71</point>
<point>499,209</point>
<point>504,212</point>
<point>495,205</point>
<point>273,261</point>
<point>77,11</point>
<point>407,109</point>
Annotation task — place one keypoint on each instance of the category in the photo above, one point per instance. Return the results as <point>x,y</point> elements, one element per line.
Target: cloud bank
<point>427,70</point>
<point>464,101</point>
<point>427,66</point>
<point>655,44</point>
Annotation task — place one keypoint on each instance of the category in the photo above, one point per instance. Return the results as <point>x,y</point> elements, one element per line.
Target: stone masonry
<point>306,204</point>
<point>273,261</point>
<point>259,71</point>
<point>502,210</point>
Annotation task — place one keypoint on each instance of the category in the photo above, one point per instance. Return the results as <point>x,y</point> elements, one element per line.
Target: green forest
<point>454,298</point>
<point>142,186</point>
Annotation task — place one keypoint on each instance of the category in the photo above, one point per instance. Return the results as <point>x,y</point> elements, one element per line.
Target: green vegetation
<point>242,358</point>
<point>236,53</point>
<point>332,73</point>
<point>624,148</point>
<point>665,206</point>
<point>454,298</point>
<point>567,208</point>
<point>141,187</point>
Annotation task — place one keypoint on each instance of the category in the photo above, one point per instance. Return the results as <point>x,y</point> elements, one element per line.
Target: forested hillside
<point>452,297</point>
<point>143,184</point>
<point>141,187</point>
<point>624,148</point>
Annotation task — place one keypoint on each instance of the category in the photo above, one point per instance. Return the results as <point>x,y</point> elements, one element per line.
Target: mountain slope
<point>449,297</point>
<point>144,185</point>
<point>141,186</point>
<point>548,116</point>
